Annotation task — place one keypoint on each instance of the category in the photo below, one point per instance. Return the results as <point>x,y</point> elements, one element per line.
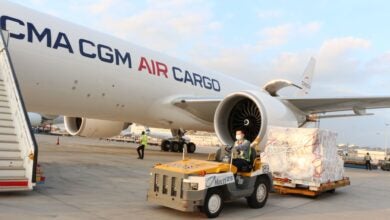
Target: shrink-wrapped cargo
<point>303,155</point>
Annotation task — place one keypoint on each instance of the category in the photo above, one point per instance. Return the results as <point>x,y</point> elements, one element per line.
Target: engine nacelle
<point>253,112</point>
<point>35,119</point>
<point>93,127</point>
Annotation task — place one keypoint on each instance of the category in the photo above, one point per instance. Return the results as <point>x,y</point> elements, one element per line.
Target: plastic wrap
<point>303,155</point>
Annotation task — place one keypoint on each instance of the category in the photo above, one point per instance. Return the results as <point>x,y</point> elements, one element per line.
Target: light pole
<point>386,131</point>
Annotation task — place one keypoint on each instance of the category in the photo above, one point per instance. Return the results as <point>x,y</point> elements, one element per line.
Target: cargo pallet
<point>311,191</point>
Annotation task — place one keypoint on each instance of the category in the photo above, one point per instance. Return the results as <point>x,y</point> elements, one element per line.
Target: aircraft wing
<point>323,105</point>
<point>203,108</point>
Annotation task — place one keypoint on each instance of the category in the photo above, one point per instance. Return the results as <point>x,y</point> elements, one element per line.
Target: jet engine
<point>252,112</point>
<point>37,120</point>
<point>96,128</point>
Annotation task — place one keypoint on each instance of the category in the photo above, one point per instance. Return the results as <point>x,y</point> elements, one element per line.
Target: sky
<point>259,40</point>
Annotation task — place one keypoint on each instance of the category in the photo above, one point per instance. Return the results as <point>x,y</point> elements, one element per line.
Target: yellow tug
<point>190,185</point>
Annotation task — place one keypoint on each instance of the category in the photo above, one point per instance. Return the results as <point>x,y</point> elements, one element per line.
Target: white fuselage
<point>65,69</point>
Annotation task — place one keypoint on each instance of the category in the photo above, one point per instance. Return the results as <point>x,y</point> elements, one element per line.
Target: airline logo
<point>105,53</point>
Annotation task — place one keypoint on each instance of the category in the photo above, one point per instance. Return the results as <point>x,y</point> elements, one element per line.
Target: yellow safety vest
<point>144,140</point>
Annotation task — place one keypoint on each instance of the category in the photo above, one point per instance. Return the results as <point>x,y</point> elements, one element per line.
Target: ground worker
<point>143,144</point>
<point>368,159</point>
<point>243,148</point>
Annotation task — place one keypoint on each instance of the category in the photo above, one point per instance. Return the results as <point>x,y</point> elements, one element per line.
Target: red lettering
<point>153,67</point>
<point>162,69</point>
<point>144,65</point>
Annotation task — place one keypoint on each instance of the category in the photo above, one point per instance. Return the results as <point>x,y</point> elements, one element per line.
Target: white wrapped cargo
<point>305,156</point>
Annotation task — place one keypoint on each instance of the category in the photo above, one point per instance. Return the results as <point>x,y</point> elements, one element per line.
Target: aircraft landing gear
<point>177,143</point>
<point>191,147</point>
<point>178,146</point>
<point>165,145</point>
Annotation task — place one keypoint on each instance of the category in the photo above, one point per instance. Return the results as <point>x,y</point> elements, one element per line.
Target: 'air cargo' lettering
<point>195,79</point>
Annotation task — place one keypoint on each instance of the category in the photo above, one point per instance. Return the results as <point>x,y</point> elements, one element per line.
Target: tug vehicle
<point>190,185</point>
<point>385,164</point>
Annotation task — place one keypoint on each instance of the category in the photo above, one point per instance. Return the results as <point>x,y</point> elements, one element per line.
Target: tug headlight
<point>190,185</point>
<point>194,186</point>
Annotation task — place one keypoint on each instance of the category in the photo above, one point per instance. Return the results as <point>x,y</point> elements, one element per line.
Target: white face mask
<point>238,137</point>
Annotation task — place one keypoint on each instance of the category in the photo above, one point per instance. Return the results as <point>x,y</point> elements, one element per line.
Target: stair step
<point>3,105</point>
<point>7,124</point>
<point>11,163</point>
<point>12,178</point>
<point>5,109</point>
<point>3,98</point>
<point>7,117</point>
<point>14,189</point>
<point>2,168</point>
<point>12,173</point>
<point>6,138</point>
<point>7,130</point>
<point>10,154</point>
<point>9,146</point>
<point>9,158</point>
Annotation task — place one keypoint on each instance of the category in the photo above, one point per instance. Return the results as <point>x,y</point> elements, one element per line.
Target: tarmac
<point>93,179</point>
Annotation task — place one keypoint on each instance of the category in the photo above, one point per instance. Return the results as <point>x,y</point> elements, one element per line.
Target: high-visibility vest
<point>244,155</point>
<point>249,155</point>
<point>144,140</point>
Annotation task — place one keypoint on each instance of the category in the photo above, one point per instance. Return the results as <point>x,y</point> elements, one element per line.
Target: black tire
<point>213,203</point>
<point>182,146</point>
<point>175,146</point>
<point>165,145</point>
<point>331,191</point>
<point>191,147</point>
<point>260,193</point>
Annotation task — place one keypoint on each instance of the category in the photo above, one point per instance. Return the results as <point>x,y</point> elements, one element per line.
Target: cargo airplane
<point>101,84</point>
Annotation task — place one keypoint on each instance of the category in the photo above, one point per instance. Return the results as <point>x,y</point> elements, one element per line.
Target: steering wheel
<point>228,148</point>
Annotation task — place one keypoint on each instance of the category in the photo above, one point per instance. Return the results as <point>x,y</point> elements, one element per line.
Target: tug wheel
<point>213,203</point>
<point>260,194</point>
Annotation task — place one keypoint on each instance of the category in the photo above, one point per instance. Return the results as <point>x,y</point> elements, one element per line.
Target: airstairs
<point>18,148</point>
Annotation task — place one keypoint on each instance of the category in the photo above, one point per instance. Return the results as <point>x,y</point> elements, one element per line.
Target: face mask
<point>238,137</point>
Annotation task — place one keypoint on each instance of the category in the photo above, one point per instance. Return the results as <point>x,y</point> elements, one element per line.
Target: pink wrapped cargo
<point>306,156</point>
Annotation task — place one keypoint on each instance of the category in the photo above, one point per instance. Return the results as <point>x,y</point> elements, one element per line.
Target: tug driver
<point>242,146</point>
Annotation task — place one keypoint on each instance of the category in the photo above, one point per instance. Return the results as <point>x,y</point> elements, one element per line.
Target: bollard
<point>58,140</point>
